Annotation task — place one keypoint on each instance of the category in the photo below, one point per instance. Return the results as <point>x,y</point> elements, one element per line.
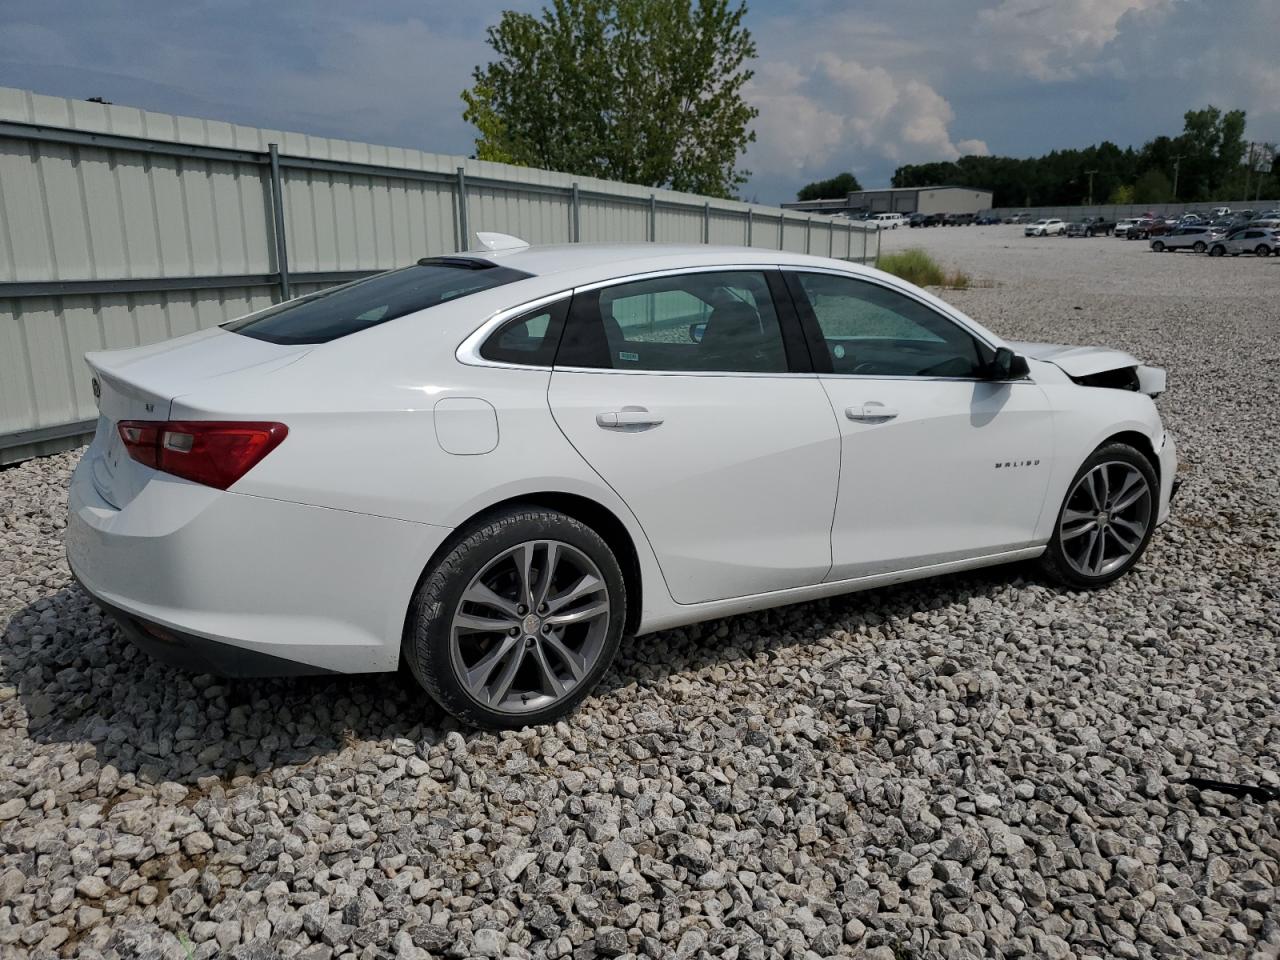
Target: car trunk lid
<point>141,383</point>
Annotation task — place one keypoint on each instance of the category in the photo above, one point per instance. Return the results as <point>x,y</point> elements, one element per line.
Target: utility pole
<point>1177,162</point>
<point>1248,169</point>
<point>1089,174</point>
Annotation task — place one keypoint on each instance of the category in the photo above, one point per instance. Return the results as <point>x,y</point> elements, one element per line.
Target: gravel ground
<point>980,766</point>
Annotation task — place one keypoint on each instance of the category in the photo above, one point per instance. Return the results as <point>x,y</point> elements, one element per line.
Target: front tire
<point>1158,247</point>
<point>518,621</point>
<point>1106,520</point>
<point>1262,250</point>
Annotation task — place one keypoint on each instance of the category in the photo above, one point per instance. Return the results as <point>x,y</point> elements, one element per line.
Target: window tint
<point>716,322</point>
<point>871,330</point>
<point>530,338</point>
<point>339,311</point>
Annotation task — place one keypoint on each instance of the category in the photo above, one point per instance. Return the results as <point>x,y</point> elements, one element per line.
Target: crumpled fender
<point>1077,362</point>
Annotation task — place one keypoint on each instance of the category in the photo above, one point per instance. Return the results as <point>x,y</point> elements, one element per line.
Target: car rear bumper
<point>247,586</point>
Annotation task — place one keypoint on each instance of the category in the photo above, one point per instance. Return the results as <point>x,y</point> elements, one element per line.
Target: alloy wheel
<point>530,626</point>
<point>1105,520</point>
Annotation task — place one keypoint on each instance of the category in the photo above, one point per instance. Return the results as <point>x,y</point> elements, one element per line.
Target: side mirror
<point>696,331</point>
<point>1007,365</point>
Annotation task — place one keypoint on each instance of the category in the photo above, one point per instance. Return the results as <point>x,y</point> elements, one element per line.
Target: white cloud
<point>1053,40</point>
<point>838,113</point>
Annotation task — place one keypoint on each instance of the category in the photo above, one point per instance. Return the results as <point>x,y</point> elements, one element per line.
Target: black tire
<point>1217,250</point>
<point>1262,250</point>
<point>1158,246</point>
<point>428,637</point>
<point>1054,562</point>
<point>1198,246</point>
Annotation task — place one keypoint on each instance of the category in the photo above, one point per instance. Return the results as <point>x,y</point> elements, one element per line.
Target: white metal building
<point>940,199</point>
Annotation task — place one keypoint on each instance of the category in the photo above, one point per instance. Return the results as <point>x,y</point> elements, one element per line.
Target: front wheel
<point>1158,247</point>
<point>1217,250</point>
<point>518,621</point>
<point>1262,250</point>
<point>1106,520</point>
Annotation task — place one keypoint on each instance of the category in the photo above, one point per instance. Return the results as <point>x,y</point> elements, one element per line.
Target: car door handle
<point>628,418</point>
<point>870,412</point>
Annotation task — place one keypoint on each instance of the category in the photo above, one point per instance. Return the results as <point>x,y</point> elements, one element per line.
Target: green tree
<point>1212,147</point>
<point>643,91</point>
<point>1121,194</point>
<point>834,188</point>
<point>1152,187</point>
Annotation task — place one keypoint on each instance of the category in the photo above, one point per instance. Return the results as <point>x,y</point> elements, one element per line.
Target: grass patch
<point>916,266</point>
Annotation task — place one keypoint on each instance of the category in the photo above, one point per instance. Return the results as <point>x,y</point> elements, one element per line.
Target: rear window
<point>352,307</point>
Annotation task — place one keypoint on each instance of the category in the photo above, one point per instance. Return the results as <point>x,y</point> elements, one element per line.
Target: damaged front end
<point>1098,366</point>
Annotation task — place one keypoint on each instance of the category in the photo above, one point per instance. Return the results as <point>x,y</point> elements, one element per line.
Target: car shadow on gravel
<point>80,681</point>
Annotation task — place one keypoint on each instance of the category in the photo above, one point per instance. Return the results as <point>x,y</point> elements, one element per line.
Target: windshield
<point>339,311</point>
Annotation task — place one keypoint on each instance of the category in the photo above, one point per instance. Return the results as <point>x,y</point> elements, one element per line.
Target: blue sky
<point>853,85</point>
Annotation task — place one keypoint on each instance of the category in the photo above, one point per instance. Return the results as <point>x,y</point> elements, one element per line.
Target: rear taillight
<point>215,453</point>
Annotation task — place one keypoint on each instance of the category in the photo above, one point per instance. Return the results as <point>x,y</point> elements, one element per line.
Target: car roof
<point>619,259</point>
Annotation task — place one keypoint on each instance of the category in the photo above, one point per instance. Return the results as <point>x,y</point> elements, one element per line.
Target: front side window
<point>721,322</point>
<point>339,311</point>
<point>871,330</point>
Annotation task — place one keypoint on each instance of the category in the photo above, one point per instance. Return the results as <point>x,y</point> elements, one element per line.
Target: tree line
<point>1209,160</point>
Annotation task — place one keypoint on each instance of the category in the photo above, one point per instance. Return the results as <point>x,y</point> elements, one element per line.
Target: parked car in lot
<point>1196,237</point>
<point>1260,241</point>
<point>987,219</point>
<point>1090,227</point>
<point>888,221</point>
<point>494,465</point>
<point>1045,227</point>
<point>1124,225</point>
<point>1149,227</point>
<point>1020,218</point>
<point>957,219</point>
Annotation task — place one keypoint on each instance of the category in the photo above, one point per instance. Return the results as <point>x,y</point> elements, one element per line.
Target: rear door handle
<point>870,412</point>
<point>628,418</point>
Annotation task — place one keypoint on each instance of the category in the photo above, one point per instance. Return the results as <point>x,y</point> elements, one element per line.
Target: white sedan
<point>1046,227</point>
<point>495,466</point>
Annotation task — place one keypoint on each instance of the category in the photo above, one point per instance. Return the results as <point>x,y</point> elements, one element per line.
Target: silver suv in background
<point>1260,241</point>
<point>1196,236</point>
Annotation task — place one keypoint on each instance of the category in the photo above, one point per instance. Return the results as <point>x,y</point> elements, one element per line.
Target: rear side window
<point>696,322</point>
<point>352,307</point>
<point>529,339</point>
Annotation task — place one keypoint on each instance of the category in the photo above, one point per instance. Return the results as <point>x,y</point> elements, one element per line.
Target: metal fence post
<point>706,222</point>
<point>808,232</point>
<point>782,231</point>
<point>464,227</point>
<point>750,221</point>
<point>653,218</point>
<point>277,216</point>
<point>831,238</point>
<point>575,221</point>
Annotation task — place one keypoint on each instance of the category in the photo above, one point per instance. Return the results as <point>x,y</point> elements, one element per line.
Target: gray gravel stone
<point>981,766</point>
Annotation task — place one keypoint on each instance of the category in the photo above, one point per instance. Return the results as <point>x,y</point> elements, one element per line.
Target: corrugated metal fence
<point>119,227</point>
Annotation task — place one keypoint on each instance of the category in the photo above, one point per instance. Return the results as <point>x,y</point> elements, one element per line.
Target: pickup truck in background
<point>1091,227</point>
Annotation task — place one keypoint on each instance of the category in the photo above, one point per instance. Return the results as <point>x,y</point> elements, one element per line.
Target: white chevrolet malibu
<point>495,466</point>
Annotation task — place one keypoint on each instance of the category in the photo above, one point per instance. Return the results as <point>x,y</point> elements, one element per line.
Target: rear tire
<point>518,621</point>
<point>1198,246</point>
<point>1106,519</point>
<point>1262,250</point>
<point>1217,250</point>
<point>1158,247</point>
